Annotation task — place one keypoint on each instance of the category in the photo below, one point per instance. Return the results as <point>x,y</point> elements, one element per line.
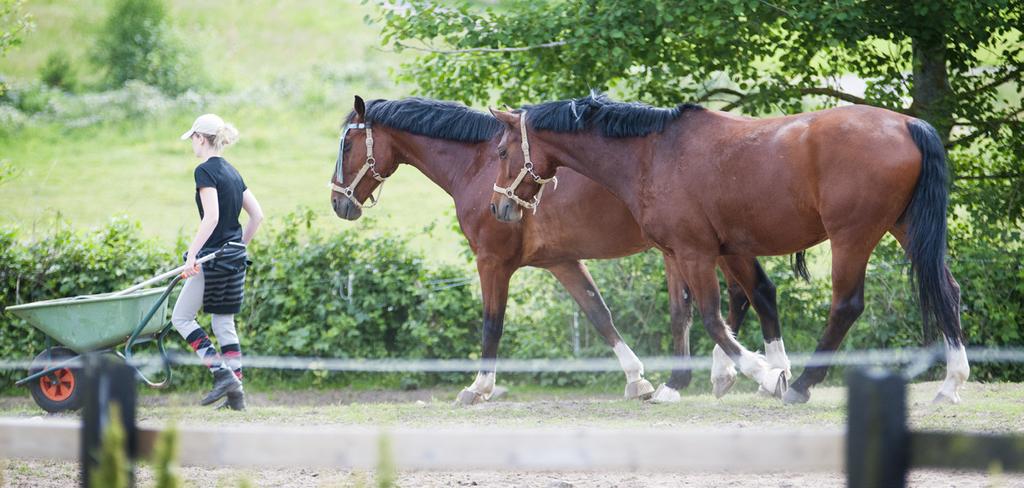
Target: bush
<point>137,43</point>
<point>34,98</point>
<point>62,264</point>
<point>344,295</point>
<point>540,324</point>
<point>351,295</point>
<point>57,72</point>
<point>364,294</point>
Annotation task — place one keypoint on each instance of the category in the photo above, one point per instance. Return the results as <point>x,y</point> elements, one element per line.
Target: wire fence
<point>344,281</point>
<point>911,361</point>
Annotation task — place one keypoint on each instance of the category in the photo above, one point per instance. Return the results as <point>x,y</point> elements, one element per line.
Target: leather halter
<point>510,191</point>
<point>368,166</point>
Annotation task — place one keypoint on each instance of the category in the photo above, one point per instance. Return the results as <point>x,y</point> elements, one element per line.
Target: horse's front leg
<point>494,279</point>
<point>576,279</point>
<point>748,279</point>
<point>700,274</point>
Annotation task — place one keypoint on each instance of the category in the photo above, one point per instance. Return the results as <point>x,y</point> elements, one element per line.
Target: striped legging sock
<point>184,320</point>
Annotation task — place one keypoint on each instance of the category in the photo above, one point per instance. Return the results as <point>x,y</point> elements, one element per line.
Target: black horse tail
<point>926,220</point>
<point>798,261</point>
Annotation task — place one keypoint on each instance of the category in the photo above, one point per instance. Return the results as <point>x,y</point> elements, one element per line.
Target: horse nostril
<point>494,209</point>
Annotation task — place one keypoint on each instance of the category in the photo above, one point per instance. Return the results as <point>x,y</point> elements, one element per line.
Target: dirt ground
<point>997,408</point>
<point>44,474</point>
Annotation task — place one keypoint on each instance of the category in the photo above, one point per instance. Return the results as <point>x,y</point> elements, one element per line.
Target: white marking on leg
<point>484,384</point>
<point>723,372</point>
<point>665,394</point>
<point>631,364</point>
<point>775,351</point>
<point>758,369</point>
<point>722,365</point>
<point>957,372</point>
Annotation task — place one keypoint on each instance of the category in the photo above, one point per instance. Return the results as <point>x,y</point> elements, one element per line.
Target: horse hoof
<point>722,384</point>
<point>782,386</point>
<point>943,397</point>
<point>793,396</point>
<point>639,390</point>
<point>469,397</point>
<point>665,394</point>
<point>498,392</point>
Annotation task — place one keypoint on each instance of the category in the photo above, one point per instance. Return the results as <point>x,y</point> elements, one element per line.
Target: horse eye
<point>502,153</point>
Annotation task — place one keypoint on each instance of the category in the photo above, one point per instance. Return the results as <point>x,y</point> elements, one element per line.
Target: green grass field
<point>268,61</point>
<point>987,407</point>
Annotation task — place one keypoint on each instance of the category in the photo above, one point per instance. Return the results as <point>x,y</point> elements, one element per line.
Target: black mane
<point>432,118</point>
<point>614,119</point>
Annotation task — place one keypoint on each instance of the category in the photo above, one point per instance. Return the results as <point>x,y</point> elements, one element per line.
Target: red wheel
<point>57,391</point>
<point>61,387</point>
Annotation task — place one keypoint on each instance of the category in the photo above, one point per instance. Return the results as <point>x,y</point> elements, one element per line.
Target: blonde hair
<point>224,137</point>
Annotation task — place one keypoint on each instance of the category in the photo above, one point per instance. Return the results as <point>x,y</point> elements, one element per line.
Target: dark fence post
<point>877,440</point>
<point>106,380</point>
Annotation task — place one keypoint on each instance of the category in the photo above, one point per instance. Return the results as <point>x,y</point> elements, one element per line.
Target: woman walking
<point>218,286</point>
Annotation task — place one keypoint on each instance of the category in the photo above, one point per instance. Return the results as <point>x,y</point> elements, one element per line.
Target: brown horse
<point>451,145</point>
<point>705,184</point>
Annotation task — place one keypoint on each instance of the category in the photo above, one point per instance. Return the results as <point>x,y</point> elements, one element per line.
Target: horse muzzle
<point>506,210</point>
<point>345,209</point>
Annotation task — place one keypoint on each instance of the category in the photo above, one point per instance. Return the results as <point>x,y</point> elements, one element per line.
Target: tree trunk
<point>933,97</point>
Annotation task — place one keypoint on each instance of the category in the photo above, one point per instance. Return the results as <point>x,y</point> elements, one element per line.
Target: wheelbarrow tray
<point>92,322</point>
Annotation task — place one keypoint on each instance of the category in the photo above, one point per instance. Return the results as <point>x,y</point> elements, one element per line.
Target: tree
<point>13,24</point>
<point>957,63</point>
<point>137,43</point>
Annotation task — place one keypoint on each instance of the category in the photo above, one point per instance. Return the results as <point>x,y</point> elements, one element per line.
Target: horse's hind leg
<point>747,274</point>
<point>849,262</point>
<point>494,278</point>
<point>576,279</point>
<point>680,309</point>
<point>957,367</point>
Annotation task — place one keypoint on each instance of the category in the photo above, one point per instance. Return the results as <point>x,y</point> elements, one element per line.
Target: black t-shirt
<point>217,173</point>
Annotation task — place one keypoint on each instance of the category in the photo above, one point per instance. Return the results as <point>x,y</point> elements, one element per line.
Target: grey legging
<point>184,320</point>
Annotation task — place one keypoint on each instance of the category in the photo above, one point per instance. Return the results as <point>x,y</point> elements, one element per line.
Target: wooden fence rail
<point>460,449</point>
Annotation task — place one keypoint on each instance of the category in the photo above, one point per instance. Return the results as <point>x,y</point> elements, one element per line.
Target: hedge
<point>367,295</point>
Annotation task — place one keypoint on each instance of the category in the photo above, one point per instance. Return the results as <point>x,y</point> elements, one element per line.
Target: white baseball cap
<point>204,124</point>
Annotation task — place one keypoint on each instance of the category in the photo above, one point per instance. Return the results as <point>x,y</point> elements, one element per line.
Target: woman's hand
<point>191,268</point>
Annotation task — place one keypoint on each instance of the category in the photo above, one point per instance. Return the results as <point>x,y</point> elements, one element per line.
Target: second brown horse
<point>705,184</point>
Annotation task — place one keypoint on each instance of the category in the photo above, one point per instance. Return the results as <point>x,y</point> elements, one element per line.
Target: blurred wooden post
<point>106,381</point>
<point>877,440</point>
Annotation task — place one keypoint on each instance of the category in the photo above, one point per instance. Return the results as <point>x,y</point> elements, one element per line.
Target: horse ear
<point>508,118</point>
<point>360,106</point>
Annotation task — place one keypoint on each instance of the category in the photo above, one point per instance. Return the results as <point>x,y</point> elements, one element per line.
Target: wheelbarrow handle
<point>163,276</point>
<point>160,337</point>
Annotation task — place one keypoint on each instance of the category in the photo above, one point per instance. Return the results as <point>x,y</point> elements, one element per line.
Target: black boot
<point>235,401</point>
<point>224,383</point>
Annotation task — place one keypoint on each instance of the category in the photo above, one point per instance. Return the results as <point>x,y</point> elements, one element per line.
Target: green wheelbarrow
<point>95,324</point>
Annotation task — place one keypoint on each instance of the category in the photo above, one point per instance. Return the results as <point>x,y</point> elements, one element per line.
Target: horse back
<point>777,185</point>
